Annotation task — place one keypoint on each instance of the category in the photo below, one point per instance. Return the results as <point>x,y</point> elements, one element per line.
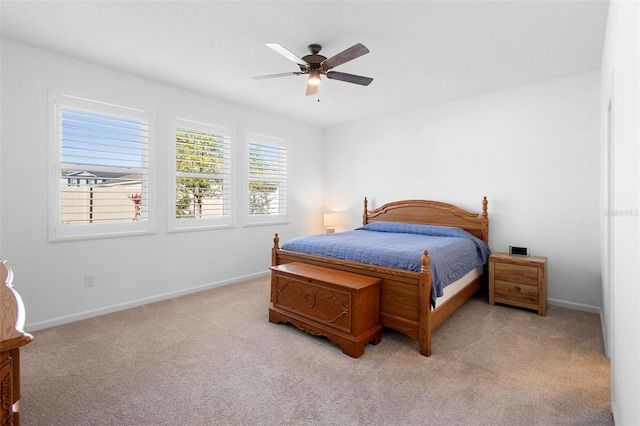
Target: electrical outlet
<point>89,280</point>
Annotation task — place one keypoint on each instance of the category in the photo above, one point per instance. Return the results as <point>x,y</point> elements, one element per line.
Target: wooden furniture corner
<point>12,337</point>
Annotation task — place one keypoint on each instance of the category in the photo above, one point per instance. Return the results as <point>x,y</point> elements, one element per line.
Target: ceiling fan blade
<point>349,54</point>
<point>349,78</point>
<point>287,54</point>
<point>282,74</point>
<point>312,89</point>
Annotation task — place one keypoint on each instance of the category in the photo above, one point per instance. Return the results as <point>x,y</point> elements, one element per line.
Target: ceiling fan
<point>315,65</point>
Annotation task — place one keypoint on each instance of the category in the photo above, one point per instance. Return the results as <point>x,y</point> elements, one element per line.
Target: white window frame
<point>283,215</point>
<point>65,232</point>
<point>193,224</point>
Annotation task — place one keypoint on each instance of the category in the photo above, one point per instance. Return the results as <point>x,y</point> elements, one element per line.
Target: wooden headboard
<point>426,212</point>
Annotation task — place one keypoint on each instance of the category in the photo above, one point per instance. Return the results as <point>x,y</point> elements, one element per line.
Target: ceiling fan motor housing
<point>314,60</point>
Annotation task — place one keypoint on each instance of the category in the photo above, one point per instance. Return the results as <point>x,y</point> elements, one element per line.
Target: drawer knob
<point>309,299</point>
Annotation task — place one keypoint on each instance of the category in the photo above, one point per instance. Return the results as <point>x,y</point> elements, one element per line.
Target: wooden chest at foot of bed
<point>340,305</point>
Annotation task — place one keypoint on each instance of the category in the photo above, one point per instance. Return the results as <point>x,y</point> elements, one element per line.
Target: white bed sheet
<point>456,286</point>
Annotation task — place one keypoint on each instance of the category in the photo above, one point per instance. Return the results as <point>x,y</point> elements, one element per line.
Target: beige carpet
<point>212,358</point>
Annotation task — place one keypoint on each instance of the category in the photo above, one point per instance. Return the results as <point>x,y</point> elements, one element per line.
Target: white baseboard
<point>575,306</point>
<point>135,303</point>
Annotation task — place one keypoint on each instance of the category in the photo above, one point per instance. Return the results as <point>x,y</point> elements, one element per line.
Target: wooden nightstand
<point>518,281</point>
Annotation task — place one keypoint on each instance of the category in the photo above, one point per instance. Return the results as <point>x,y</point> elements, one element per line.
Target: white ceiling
<point>422,52</point>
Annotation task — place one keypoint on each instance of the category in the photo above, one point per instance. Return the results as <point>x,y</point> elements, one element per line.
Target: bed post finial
<point>485,221</point>
<point>276,240</point>
<point>484,207</point>
<point>365,215</point>
<point>425,260</point>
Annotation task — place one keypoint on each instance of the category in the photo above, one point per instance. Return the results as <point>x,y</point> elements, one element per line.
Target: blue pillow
<point>413,228</point>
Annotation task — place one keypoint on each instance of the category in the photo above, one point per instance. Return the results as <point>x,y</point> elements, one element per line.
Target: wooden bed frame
<point>404,295</point>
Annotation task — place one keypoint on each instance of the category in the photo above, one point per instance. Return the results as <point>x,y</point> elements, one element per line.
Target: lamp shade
<point>330,220</point>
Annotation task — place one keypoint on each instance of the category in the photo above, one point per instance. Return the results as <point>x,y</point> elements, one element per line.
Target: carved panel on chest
<point>325,305</point>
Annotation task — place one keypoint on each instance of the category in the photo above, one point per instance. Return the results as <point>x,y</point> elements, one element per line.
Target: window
<point>202,176</point>
<point>268,182</point>
<point>101,169</point>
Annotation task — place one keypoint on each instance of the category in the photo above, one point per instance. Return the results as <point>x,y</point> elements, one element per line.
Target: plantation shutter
<point>202,174</point>
<point>268,178</point>
<point>103,163</point>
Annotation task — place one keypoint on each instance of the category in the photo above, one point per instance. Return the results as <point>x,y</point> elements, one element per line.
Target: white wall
<point>134,270</point>
<point>533,151</point>
<point>621,87</point>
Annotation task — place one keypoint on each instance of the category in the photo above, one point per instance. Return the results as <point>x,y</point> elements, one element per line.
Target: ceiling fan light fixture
<point>314,77</point>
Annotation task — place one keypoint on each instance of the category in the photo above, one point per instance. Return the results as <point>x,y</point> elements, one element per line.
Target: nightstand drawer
<point>521,274</point>
<point>511,291</point>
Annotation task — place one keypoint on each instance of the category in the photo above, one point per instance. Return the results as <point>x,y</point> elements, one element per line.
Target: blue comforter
<point>453,251</point>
